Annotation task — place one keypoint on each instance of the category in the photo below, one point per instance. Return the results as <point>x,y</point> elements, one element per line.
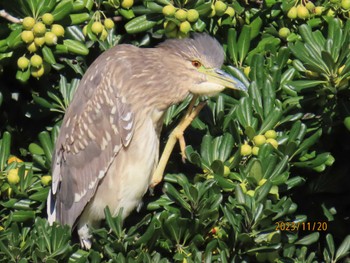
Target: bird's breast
<point>129,175</point>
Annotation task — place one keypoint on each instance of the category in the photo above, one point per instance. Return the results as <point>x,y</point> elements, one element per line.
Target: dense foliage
<point>267,174</point>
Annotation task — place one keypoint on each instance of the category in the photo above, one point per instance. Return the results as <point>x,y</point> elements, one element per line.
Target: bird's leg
<point>176,134</point>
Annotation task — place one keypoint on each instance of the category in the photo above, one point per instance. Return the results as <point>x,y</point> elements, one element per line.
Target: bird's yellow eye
<point>196,64</point>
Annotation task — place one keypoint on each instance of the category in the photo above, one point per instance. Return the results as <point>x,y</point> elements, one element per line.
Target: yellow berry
<point>46,180</point>
<point>28,23</point>
<point>185,27</point>
<point>302,12</point>
<point>271,134</point>
<point>293,13</point>
<point>169,26</point>
<point>22,63</point>
<point>108,23</point>
<point>58,30</point>
<point>273,142</point>
<point>255,150</point>
<point>330,13</point>
<point>168,10</point>
<point>181,15</point>
<point>39,41</point>
<point>246,150</point>
<point>48,19</point>
<point>284,32</point>
<point>127,3</point>
<point>39,29</point>
<point>27,36</point>
<point>37,72</point>
<point>262,181</point>
<point>97,27</point>
<point>259,140</point>
<point>243,187</point>
<point>345,4</point>
<point>172,33</point>
<point>251,193</point>
<point>340,70</point>
<point>36,61</point>
<point>12,176</point>
<point>310,6</point>
<point>318,10</point>
<point>14,159</point>
<point>192,15</point>
<point>226,170</point>
<point>230,11</point>
<point>85,30</point>
<point>32,47</point>
<point>50,39</point>
<point>220,8</point>
<point>104,35</point>
<point>246,71</point>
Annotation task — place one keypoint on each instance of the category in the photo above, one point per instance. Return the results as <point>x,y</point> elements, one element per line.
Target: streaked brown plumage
<point>107,149</point>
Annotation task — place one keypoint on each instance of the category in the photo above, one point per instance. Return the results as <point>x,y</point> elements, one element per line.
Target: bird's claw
<point>176,135</point>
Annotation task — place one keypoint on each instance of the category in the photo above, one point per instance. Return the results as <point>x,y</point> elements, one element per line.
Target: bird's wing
<point>97,125</point>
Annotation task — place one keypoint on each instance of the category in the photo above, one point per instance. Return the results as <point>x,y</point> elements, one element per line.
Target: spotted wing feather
<point>96,126</point>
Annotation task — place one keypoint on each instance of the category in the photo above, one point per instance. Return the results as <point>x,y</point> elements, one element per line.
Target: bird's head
<point>199,59</point>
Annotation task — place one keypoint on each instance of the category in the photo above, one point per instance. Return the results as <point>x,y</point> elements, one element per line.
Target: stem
<point>9,17</point>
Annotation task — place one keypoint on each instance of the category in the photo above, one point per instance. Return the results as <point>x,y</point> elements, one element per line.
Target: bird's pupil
<point>196,64</point>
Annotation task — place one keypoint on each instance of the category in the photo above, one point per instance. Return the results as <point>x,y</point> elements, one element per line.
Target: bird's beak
<point>220,77</point>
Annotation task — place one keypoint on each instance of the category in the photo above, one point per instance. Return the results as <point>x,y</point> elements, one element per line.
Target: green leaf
<point>255,170</point>
<point>245,112</point>
<point>176,196</point>
<point>76,19</point>
<point>22,216</point>
<point>232,45</point>
<point>141,23</point>
<point>35,149</point>
<point>309,239</point>
<point>307,143</point>
<point>5,145</point>
<point>127,13</point>
<point>14,39</point>
<point>255,27</point>
<point>271,120</point>
<point>63,8</point>
<point>343,249</point>
<point>330,244</point>
<point>243,43</point>
<point>46,143</point>
<point>48,55</point>
<point>76,47</point>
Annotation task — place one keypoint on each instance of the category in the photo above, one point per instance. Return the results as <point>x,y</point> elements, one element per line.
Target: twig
<point>9,17</point>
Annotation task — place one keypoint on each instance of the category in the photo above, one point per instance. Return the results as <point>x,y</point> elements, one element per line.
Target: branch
<point>9,17</point>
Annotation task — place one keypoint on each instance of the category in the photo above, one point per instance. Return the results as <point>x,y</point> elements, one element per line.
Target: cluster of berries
<point>258,140</point>
<point>99,29</point>
<point>36,34</point>
<point>184,17</point>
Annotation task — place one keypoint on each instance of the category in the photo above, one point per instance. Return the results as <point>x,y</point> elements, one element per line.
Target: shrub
<point>284,200</point>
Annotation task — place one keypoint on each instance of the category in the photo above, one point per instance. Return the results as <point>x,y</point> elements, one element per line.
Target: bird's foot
<point>84,236</point>
<point>176,135</point>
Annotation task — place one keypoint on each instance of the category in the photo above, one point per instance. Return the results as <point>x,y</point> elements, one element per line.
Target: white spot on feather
<point>92,183</point>
<point>104,143</point>
<point>114,110</point>
<point>101,174</point>
<point>91,135</point>
<point>68,122</point>
<point>78,196</point>
<point>127,116</point>
<point>108,136</point>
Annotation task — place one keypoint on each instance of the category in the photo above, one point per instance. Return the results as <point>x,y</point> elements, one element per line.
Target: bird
<point>108,146</point>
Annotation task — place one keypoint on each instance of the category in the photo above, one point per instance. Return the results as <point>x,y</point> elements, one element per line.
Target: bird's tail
<point>51,208</point>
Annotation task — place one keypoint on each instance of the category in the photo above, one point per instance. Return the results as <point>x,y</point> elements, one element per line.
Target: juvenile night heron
<point>107,149</point>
